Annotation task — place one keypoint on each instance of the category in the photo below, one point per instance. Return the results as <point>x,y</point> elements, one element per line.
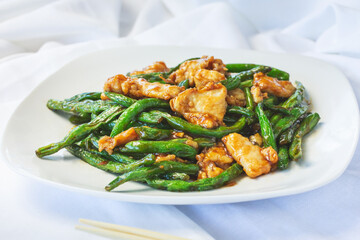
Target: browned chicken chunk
<point>236,97</point>
<point>139,88</point>
<point>168,157</point>
<point>189,69</point>
<point>108,143</point>
<point>156,67</point>
<point>255,160</point>
<point>257,95</point>
<point>271,85</point>
<point>205,107</point>
<point>213,161</point>
<point>204,76</point>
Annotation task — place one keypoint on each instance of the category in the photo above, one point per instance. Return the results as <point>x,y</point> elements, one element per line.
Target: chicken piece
<point>257,95</point>
<point>256,139</point>
<point>208,170</point>
<point>204,76</point>
<point>213,161</point>
<point>108,143</point>
<point>156,67</point>
<point>236,97</point>
<point>139,88</point>
<point>168,157</point>
<point>188,69</point>
<point>165,157</point>
<point>271,85</point>
<point>255,160</point>
<point>205,107</point>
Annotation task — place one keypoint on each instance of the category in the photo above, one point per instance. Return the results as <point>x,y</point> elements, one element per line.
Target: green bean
<point>265,127</point>
<point>176,176</point>
<point>172,147</point>
<point>152,77</point>
<point>271,100</point>
<point>199,185</point>
<point>306,126</point>
<point>120,99</point>
<point>240,67</point>
<point>147,117</point>
<point>148,133</point>
<point>295,99</point>
<point>285,122</point>
<point>183,125</point>
<point>287,135</point>
<point>85,96</point>
<point>247,83</point>
<point>184,83</point>
<point>79,119</point>
<point>283,156</point>
<point>130,113</point>
<point>232,83</point>
<point>144,173</point>
<point>205,142</point>
<point>241,110</point>
<point>80,132</point>
<point>228,118</point>
<point>84,107</point>
<point>106,165</point>
<point>249,100</point>
<point>276,108</point>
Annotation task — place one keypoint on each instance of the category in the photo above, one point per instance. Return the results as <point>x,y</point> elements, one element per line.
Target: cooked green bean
<point>249,99</point>
<point>199,185</point>
<point>234,82</point>
<point>80,132</point>
<point>84,96</point>
<point>83,107</point>
<point>283,155</point>
<point>148,133</point>
<point>205,142</point>
<point>183,125</point>
<point>106,165</point>
<point>240,67</point>
<point>286,136</point>
<point>285,122</point>
<point>130,113</point>
<point>184,83</point>
<point>161,168</point>
<point>152,77</point>
<point>265,127</point>
<point>306,126</point>
<point>176,176</point>
<point>241,110</point>
<point>147,117</point>
<point>79,119</point>
<point>120,99</point>
<point>172,147</point>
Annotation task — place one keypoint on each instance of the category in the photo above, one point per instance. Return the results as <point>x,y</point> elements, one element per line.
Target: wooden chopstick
<point>123,232</point>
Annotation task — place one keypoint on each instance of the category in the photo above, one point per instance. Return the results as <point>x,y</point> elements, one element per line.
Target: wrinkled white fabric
<point>38,37</point>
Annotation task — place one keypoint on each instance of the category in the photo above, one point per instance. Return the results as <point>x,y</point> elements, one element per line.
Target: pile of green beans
<point>282,123</point>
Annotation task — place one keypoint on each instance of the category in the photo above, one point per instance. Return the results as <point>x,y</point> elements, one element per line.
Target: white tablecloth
<point>39,37</point>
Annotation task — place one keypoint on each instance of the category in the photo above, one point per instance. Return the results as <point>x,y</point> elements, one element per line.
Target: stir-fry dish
<point>193,127</point>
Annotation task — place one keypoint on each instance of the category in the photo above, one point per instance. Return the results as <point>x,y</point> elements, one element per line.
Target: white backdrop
<point>38,37</point>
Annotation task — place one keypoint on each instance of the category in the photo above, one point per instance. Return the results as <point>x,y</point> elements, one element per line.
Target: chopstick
<point>122,232</point>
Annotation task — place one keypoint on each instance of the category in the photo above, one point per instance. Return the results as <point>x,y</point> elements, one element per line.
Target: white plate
<point>328,149</point>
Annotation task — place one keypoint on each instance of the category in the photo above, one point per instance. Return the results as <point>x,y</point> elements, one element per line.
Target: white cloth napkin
<point>39,37</point>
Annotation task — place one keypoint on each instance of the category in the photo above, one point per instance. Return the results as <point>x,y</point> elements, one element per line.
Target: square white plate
<point>327,150</point>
